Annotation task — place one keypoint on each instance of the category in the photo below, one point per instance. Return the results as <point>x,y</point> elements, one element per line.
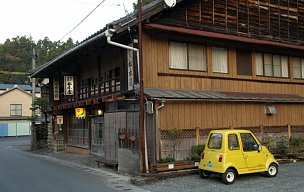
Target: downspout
<point>157,136</point>
<point>145,143</point>
<point>109,34</point>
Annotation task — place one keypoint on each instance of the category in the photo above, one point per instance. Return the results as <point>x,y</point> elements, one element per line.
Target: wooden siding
<point>158,75</point>
<point>212,115</point>
<point>109,59</point>
<point>261,19</point>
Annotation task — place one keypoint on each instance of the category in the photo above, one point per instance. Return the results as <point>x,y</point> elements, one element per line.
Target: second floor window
<point>219,60</point>
<point>271,65</point>
<point>16,110</point>
<point>298,68</point>
<point>244,62</point>
<point>187,56</point>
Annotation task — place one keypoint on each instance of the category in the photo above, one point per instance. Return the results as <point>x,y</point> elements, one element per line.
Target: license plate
<point>209,164</point>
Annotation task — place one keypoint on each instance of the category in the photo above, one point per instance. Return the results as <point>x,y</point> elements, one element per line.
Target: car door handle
<point>245,156</point>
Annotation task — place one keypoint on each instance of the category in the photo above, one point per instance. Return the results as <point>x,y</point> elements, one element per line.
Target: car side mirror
<point>260,148</point>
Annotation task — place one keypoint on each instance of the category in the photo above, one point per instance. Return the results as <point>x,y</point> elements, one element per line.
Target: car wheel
<point>272,170</point>
<point>229,176</point>
<point>204,174</point>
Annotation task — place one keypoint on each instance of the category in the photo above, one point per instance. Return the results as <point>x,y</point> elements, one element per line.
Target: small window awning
<point>201,95</point>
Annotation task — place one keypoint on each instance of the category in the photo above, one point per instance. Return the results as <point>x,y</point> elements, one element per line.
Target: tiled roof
<point>182,94</point>
<point>23,87</point>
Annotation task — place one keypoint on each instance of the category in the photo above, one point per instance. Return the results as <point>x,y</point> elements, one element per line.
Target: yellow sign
<point>80,112</point>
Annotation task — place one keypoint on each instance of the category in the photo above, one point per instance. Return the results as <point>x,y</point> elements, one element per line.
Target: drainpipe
<point>109,34</point>
<point>157,136</point>
<point>145,143</point>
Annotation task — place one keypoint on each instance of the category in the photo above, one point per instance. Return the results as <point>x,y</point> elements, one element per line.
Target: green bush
<point>193,158</point>
<point>296,145</point>
<point>197,149</point>
<point>41,132</point>
<point>167,160</point>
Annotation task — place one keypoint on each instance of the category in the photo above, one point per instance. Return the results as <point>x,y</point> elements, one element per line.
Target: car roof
<point>225,131</point>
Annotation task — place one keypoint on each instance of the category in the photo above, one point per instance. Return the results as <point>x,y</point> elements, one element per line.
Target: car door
<point>255,159</point>
<point>234,153</point>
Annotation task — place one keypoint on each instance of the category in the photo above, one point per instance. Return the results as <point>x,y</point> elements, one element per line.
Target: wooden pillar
<point>289,131</point>
<point>197,134</point>
<point>262,131</point>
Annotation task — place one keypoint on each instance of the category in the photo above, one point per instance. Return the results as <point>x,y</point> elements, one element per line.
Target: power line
<point>82,20</point>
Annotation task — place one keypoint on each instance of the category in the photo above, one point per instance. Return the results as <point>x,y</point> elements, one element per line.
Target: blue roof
<point>23,87</point>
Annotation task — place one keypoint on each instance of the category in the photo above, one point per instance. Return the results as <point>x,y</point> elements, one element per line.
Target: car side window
<point>249,143</point>
<point>233,142</point>
<point>215,141</point>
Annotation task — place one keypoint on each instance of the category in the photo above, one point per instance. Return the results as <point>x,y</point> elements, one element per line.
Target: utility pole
<point>141,89</point>
<point>33,131</point>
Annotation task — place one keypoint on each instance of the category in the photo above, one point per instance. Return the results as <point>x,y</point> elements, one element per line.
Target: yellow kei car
<point>235,152</point>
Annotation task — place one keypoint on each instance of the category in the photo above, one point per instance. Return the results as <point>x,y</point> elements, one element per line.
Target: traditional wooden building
<point>207,64</point>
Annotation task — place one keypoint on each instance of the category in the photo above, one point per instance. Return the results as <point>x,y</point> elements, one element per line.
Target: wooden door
<point>97,144</point>
<point>113,122</point>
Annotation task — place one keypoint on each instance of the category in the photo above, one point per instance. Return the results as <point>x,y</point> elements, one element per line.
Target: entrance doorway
<point>97,144</point>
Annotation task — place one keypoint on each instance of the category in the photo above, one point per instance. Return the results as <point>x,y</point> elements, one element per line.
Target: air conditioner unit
<point>270,110</point>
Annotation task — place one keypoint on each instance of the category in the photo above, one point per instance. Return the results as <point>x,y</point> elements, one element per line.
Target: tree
<point>40,132</point>
<point>16,55</point>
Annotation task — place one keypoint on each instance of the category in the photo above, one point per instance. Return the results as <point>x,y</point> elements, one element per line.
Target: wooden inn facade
<point>207,64</point>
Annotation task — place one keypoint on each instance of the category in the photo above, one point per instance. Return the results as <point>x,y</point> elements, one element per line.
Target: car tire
<point>272,170</point>
<point>229,176</point>
<point>204,174</point>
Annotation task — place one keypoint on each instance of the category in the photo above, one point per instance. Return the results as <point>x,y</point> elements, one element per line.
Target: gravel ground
<point>289,178</point>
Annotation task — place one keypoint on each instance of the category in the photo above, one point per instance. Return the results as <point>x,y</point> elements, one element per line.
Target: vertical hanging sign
<point>68,85</point>
<point>130,69</point>
<point>56,89</point>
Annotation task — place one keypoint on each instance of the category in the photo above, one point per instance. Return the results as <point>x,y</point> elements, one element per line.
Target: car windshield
<point>215,141</point>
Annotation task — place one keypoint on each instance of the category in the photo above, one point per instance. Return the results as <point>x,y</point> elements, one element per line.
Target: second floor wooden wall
<point>158,74</point>
<point>100,63</point>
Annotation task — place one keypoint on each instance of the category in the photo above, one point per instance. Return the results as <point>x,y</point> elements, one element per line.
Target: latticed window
<point>78,133</point>
<point>187,56</point>
<point>16,110</point>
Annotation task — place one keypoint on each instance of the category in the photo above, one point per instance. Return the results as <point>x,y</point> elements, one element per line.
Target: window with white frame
<point>16,110</point>
<point>271,65</point>
<point>219,60</point>
<point>298,67</point>
<point>187,56</point>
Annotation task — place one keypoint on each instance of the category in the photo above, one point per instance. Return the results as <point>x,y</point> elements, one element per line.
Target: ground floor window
<point>78,132</point>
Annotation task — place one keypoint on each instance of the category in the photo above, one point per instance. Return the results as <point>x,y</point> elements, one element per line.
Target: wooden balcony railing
<point>99,89</point>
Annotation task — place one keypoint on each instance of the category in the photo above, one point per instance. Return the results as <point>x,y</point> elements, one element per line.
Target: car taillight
<point>220,158</point>
<point>202,155</point>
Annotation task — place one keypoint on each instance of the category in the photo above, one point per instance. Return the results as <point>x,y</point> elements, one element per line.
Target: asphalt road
<point>28,172</point>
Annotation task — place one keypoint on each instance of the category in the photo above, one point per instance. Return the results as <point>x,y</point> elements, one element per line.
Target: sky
<point>55,18</point>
